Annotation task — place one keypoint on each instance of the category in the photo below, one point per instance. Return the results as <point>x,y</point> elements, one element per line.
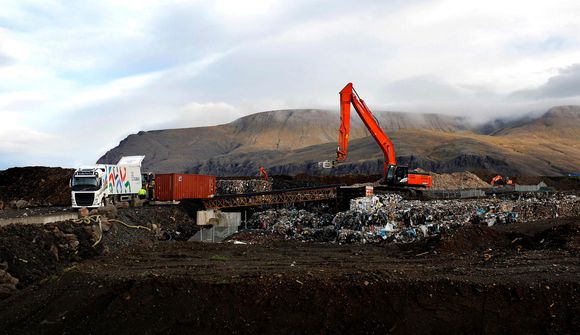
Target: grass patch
<point>218,258</point>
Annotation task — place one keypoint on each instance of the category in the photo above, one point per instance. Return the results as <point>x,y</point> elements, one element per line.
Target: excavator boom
<point>393,174</point>
<point>349,96</point>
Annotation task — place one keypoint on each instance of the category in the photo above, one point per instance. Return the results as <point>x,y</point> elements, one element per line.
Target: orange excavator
<point>500,181</point>
<point>394,175</point>
<point>263,173</point>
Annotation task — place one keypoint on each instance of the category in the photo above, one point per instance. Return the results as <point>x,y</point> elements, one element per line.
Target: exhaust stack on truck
<point>97,185</point>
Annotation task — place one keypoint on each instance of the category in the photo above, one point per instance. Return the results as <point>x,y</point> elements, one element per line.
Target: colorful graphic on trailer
<point>116,179</point>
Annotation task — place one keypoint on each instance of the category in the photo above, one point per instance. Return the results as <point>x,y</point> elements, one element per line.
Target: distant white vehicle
<point>327,164</point>
<point>97,185</point>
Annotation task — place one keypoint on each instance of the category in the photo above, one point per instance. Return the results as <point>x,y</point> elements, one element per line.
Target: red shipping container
<point>175,186</point>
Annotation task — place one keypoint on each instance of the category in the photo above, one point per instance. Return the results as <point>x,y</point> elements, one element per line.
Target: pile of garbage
<point>538,206</point>
<point>389,218</point>
<point>241,186</point>
<point>277,219</point>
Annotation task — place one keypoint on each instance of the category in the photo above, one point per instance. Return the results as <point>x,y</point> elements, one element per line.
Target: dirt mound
<point>564,236</point>
<point>300,288</point>
<point>37,186</point>
<point>473,238</point>
<point>457,180</point>
<point>175,222</point>
<point>34,252</point>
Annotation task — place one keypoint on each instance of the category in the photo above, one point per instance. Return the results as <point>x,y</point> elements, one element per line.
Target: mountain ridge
<point>292,141</point>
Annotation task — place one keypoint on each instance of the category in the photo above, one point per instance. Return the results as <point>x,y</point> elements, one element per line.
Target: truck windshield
<point>84,183</point>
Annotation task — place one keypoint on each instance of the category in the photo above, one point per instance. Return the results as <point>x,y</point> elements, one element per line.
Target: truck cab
<point>87,187</point>
<point>98,185</point>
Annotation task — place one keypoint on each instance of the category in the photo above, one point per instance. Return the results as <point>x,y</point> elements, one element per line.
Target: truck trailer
<point>97,185</point>
<point>179,186</point>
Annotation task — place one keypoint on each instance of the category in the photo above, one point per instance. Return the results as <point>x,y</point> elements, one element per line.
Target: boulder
<point>109,211</point>
<point>20,204</point>
<point>83,212</point>
<point>122,204</point>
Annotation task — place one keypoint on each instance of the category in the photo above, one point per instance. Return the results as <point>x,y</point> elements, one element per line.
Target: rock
<point>7,279</point>
<point>7,284</point>
<point>156,229</point>
<point>72,241</point>
<point>114,229</point>
<point>83,212</point>
<point>105,224</point>
<point>109,211</point>
<point>122,204</point>
<point>54,250</point>
<point>6,291</point>
<point>20,204</point>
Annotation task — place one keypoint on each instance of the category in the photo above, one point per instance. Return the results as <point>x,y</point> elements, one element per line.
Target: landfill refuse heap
<point>241,186</point>
<point>389,218</point>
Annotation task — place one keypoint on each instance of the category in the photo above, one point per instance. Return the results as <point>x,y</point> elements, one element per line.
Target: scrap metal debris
<point>241,186</point>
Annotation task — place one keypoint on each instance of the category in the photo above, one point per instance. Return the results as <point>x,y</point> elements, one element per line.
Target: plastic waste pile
<point>241,186</point>
<point>389,218</point>
<point>278,219</point>
<point>544,207</point>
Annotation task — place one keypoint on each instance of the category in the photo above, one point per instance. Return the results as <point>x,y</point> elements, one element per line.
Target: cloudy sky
<point>76,77</point>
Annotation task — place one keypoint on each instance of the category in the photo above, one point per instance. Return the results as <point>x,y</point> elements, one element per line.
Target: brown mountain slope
<point>178,150</point>
<point>559,123</point>
<point>289,142</point>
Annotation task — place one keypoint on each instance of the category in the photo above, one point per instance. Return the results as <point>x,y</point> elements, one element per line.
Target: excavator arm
<point>263,173</point>
<point>393,174</point>
<point>348,96</point>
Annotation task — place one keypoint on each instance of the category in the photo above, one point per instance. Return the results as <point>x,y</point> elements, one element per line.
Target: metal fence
<point>455,194</point>
<point>530,188</point>
<point>214,234</point>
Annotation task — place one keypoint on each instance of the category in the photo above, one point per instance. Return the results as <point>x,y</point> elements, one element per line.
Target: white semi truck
<point>101,184</point>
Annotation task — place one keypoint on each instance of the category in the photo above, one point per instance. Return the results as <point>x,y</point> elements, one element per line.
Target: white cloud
<point>86,74</point>
<point>204,114</point>
<point>16,137</point>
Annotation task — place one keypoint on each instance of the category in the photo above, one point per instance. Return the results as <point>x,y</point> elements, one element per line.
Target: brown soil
<point>38,185</point>
<point>303,288</point>
<point>457,180</point>
<point>34,252</point>
<point>473,238</point>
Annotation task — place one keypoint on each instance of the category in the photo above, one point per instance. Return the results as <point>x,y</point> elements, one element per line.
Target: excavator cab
<point>397,175</point>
